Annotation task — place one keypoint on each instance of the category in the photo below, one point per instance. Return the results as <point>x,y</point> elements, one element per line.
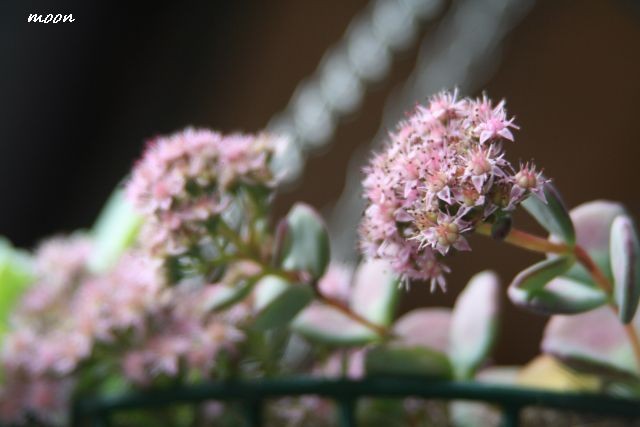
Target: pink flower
<point>120,300</point>
<point>526,181</point>
<point>443,233</point>
<point>494,124</point>
<point>44,399</point>
<point>187,180</point>
<point>183,333</point>
<point>440,174</point>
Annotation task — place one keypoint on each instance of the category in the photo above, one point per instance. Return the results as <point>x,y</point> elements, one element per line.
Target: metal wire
<point>96,411</point>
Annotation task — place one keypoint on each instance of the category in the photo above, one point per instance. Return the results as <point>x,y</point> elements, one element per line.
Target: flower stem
<point>246,252</point>
<point>534,243</point>
<point>528,241</point>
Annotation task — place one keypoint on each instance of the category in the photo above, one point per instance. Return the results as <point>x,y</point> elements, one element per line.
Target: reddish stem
<point>534,243</point>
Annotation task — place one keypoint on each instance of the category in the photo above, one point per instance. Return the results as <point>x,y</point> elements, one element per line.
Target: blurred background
<point>77,101</point>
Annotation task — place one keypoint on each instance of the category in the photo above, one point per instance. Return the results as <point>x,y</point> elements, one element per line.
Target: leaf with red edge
<point>474,323</point>
<point>559,296</point>
<point>594,342</point>
<point>593,221</point>
<point>425,327</point>
<point>375,292</point>
<point>625,265</point>
<point>542,289</point>
<point>373,296</point>
<point>327,325</point>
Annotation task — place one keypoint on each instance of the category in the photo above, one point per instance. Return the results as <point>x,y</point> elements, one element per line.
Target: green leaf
<point>553,215</point>
<point>625,266</point>
<point>374,296</point>
<point>425,327</point>
<point>115,230</point>
<point>560,296</point>
<point>527,289</point>
<point>324,324</point>
<point>238,281</point>
<point>305,242</point>
<point>15,275</point>
<point>400,360</point>
<point>278,301</point>
<point>593,342</point>
<point>593,231</point>
<point>474,323</point>
<point>538,275</point>
<point>375,292</point>
<point>225,295</point>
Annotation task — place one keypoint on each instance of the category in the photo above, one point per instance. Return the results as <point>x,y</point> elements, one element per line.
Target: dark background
<point>78,100</point>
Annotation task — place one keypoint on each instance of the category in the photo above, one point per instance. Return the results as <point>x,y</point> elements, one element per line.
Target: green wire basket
<point>251,394</point>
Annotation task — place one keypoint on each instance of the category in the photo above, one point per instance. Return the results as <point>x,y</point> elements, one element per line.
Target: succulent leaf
<point>115,230</point>
<point>474,323</point>
<point>425,327</point>
<point>375,292</point>
<point>324,324</point>
<point>305,241</point>
<point>560,296</point>
<point>226,295</point>
<point>625,266</point>
<point>593,342</point>
<point>278,301</point>
<point>593,221</point>
<point>552,215</point>
<point>541,289</point>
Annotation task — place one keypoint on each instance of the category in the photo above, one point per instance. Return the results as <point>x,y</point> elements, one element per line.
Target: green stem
<point>233,237</point>
<point>534,243</point>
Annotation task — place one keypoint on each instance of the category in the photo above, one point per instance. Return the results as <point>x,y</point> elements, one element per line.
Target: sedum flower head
<point>185,181</point>
<point>65,313</point>
<point>442,172</point>
<point>183,334</point>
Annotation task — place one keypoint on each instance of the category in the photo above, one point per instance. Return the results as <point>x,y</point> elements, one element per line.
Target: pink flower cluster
<point>61,318</point>
<point>184,336</point>
<point>442,172</point>
<point>128,312</point>
<point>185,180</point>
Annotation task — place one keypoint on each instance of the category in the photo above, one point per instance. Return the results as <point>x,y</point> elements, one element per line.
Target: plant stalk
<point>292,276</point>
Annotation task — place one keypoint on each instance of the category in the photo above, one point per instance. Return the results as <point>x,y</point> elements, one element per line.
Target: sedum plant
<point>186,277</point>
<point>443,175</point>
